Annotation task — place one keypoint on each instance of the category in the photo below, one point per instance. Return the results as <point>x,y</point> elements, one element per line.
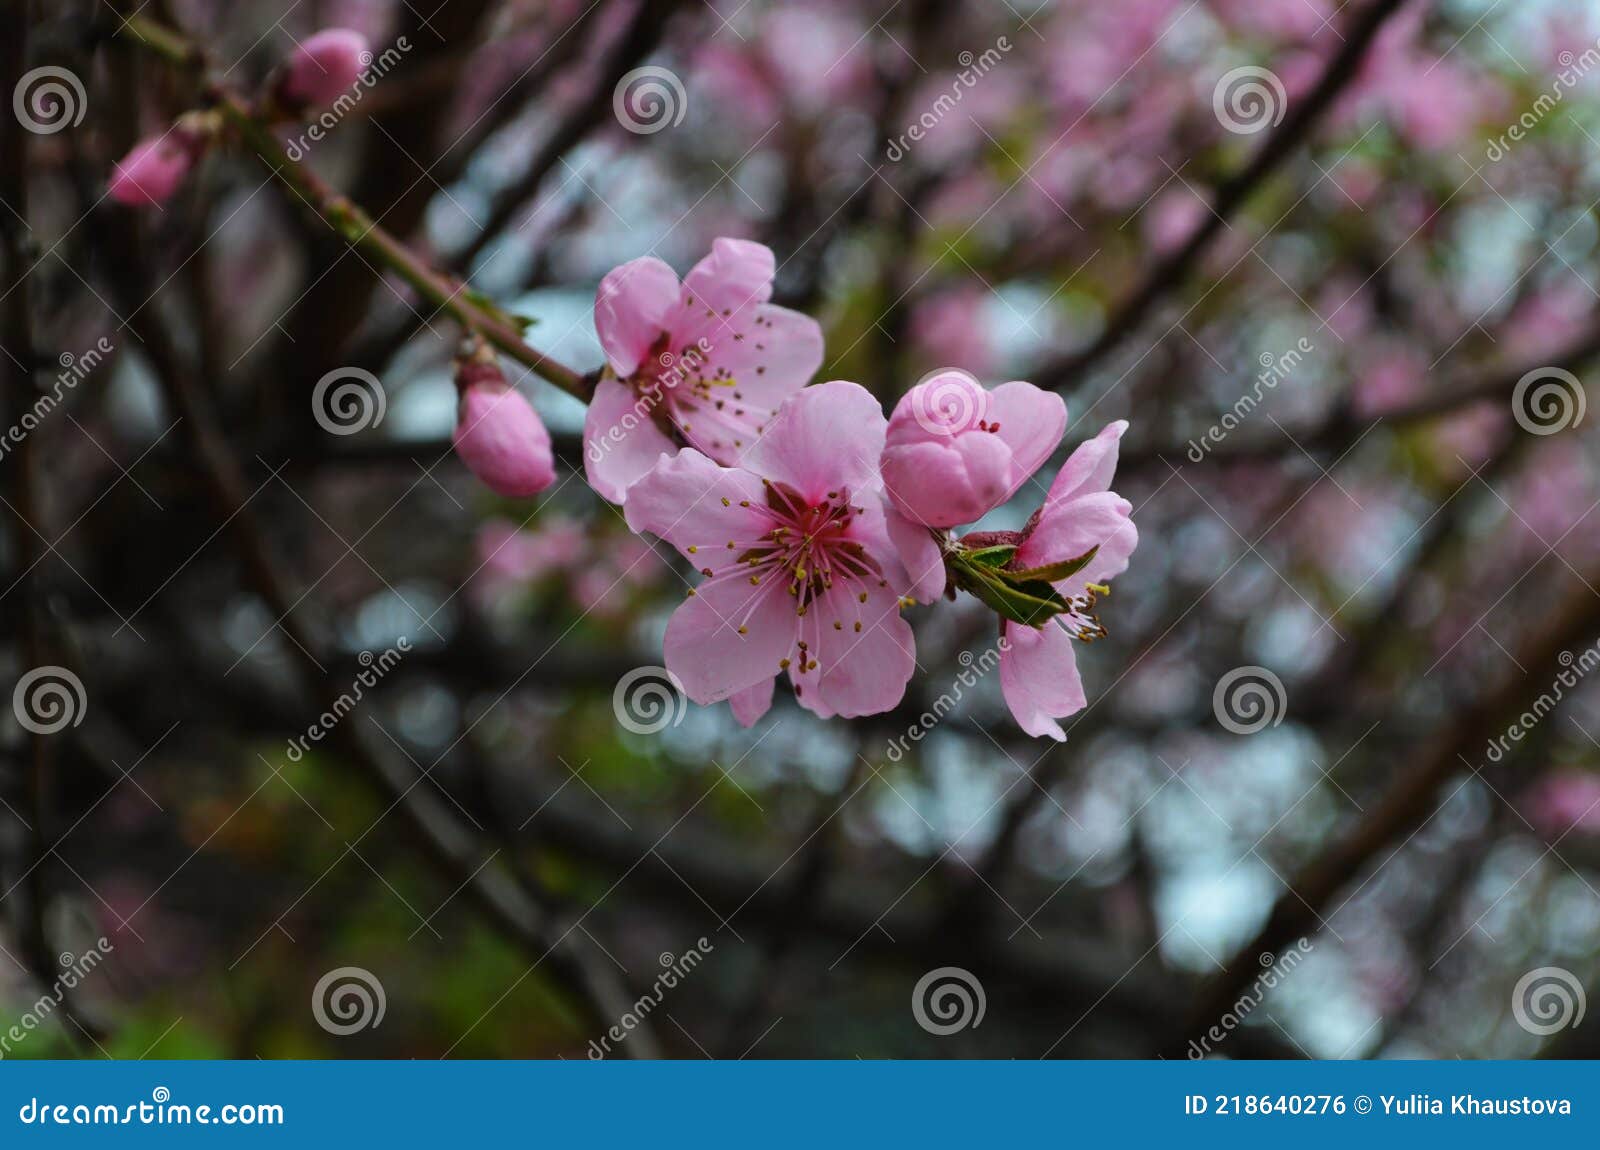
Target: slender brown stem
<point>356,227</point>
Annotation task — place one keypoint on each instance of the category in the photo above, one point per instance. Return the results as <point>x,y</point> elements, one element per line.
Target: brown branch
<point>357,228</point>
<point>1344,427</point>
<point>438,832</point>
<point>636,42</point>
<point>1408,804</point>
<point>21,363</point>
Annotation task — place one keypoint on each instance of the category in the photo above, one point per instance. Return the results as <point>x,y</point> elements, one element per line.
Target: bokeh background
<point>1336,793</point>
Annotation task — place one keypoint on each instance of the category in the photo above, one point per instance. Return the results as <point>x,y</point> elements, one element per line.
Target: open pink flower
<point>703,363</point>
<point>1038,669</point>
<point>498,435</point>
<point>954,451</point>
<point>323,68</point>
<point>800,573</point>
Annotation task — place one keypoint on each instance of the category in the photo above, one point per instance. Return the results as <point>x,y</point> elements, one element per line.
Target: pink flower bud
<point>153,170</point>
<point>322,69</point>
<point>955,451</point>
<point>498,434</point>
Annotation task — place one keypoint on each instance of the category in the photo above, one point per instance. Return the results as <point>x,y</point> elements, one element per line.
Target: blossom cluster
<point>813,521</point>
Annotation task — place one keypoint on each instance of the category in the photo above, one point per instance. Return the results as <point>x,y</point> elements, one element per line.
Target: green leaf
<point>1031,602</point>
<point>1056,572</point>
<point>996,556</point>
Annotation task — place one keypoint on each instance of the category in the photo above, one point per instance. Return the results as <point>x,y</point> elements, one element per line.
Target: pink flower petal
<point>826,437</point>
<point>621,442</point>
<point>1112,558</point>
<point>1031,421</point>
<point>706,649</point>
<point>736,275</point>
<point>948,482</point>
<point>632,309</point>
<point>1039,679</point>
<point>1090,467</point>
<point>861,672</point>
<point>751,703</point>
<point>919,554</point>
<point>1068,530</point>
<point>692,503</point>
<point>766,353</point>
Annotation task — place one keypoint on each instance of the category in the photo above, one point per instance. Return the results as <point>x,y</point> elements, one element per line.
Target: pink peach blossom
<point>955,451</point>
<point>702,364</point>
<point>499,436</point>
<point>800,573</point>
<point>322,69</point>
<point>1038,669</point>
<point>153,169</point>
